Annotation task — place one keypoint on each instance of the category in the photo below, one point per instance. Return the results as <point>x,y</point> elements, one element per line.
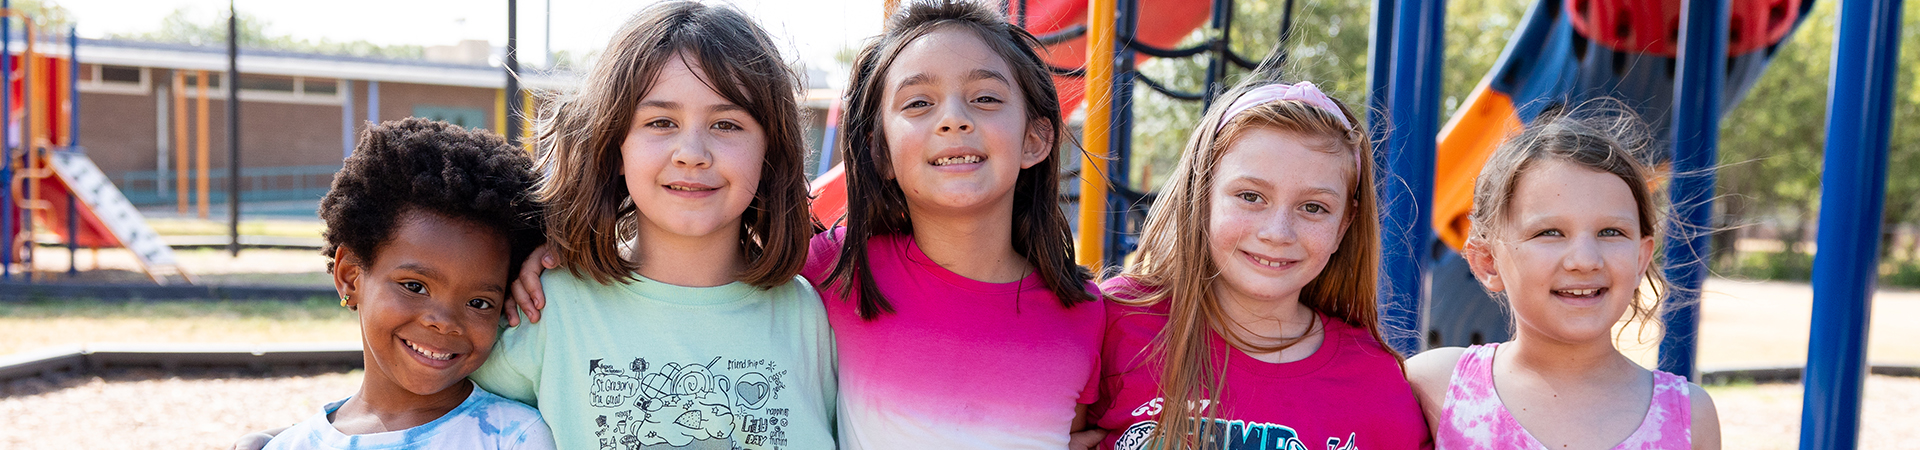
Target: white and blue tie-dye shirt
<point>483,421</point>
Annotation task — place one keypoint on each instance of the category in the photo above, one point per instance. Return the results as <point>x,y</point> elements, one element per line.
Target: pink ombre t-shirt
<point>1349,395</point>
<point>959,363</point>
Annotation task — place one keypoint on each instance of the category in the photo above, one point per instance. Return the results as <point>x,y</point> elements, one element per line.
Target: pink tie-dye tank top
<point>1474,418</point>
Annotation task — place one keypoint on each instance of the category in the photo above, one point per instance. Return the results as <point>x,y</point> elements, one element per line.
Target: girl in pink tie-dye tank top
<point>1564,226</point>
<point>1473,416</point>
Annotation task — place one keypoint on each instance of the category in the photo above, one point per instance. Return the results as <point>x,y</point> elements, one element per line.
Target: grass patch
<point>1779,266</point>
<point>46,323</point>
<point>1904,274</point>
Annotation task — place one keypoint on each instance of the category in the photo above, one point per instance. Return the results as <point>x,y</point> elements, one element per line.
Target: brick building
<point>299,112</point>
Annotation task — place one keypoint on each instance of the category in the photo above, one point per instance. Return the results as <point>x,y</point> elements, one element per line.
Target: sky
<point>810,31</point>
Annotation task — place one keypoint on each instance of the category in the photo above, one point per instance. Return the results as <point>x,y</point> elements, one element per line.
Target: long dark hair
<point>876,205</point>
<point>590,212</point>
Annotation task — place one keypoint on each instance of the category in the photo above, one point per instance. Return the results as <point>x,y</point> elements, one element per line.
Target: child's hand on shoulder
<point>527,296</point>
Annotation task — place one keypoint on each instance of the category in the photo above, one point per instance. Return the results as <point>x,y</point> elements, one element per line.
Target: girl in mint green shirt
<point>676,197</point>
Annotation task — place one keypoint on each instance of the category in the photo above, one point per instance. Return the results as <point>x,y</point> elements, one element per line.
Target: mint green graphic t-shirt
<point>644,364</point>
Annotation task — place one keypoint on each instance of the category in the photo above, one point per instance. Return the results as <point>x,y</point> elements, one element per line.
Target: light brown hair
<point>1174,264</point>
<point>590,214</point>
<point>1601,135</point>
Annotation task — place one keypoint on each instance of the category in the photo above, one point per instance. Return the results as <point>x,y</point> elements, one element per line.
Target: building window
<point>267,83</point>
<point>114,79</point>
<point>286,89</point>
<point>319,86</point>
<point>466,117</point>
<point>121,74</point>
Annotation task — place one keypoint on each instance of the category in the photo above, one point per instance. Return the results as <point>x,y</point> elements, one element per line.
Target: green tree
<point>48,15</point>
<point>1770,144</point>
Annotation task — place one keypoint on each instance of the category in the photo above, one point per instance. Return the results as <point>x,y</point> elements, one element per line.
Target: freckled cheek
<point>1322,237</point>
<point>1225,228</point>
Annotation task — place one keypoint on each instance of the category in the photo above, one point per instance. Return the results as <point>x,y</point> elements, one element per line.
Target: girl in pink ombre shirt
<point>960,319</point>
<point>1564,227</point>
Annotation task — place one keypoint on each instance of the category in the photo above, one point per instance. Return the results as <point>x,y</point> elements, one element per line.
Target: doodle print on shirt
<point>716,405</point>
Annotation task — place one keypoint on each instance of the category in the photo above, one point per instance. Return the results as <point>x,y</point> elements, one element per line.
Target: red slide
<point>1163,24</point>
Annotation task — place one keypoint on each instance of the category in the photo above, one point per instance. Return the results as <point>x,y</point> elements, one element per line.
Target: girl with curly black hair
<point>425,222</point>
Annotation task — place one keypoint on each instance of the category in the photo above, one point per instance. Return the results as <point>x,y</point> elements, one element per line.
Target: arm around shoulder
<point>1706,419</point>
<point>1429,373</point>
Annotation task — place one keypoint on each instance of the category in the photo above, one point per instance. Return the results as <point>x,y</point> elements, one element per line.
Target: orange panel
<point>1464,146</point>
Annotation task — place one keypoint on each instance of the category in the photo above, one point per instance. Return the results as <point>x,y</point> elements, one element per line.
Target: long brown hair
<point>1601,135</point>
<point>1175,267</point>
<point>590,214</point>
<point>875,204</point>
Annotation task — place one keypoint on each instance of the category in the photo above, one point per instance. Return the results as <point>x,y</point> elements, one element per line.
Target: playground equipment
<point>50,183</point>
<point>1679,63</point>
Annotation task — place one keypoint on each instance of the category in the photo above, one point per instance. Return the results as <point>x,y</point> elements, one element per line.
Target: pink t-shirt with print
<point>959,363</point>
<point>1349,395</point>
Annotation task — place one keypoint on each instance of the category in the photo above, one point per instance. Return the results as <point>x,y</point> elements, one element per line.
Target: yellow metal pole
<point>500,112</point>
<point>1094,133</point>
<point>527,109</point>
<point>180,154</point>
<point>201,142</point>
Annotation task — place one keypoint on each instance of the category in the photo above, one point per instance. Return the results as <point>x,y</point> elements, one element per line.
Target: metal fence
<point>258,184</point>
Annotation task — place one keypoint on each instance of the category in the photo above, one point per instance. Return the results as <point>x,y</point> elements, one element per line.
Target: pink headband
<point>1304,92</point>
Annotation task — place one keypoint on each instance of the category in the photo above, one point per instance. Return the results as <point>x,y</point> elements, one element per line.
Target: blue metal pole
<point>1406,191</point>
<point>1696,143</point>
<point>73,88</point>
<point>1120,141</point>
<point>828,139</point>
<point>346,119</point>
<point>1852,198</point>
<point>6,147</point>
<point>73,144</point>
<point>1216,77</point>
<point>373,103</point>
<point>1379,66</point>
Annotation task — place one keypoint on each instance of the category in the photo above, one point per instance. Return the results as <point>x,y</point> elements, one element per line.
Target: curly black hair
<point>416,165</point>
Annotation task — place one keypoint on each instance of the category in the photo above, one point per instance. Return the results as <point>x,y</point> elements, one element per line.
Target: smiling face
<point>692,158</point>
<point>429,302</point>
<point>956,125</point>
<point>1279,210</point>
<point>1570,253</point>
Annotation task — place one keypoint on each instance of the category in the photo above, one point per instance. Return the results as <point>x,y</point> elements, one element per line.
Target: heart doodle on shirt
<point>753,389</point>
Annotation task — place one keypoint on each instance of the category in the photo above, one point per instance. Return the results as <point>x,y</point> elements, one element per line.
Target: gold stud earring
<point>343,301</point>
